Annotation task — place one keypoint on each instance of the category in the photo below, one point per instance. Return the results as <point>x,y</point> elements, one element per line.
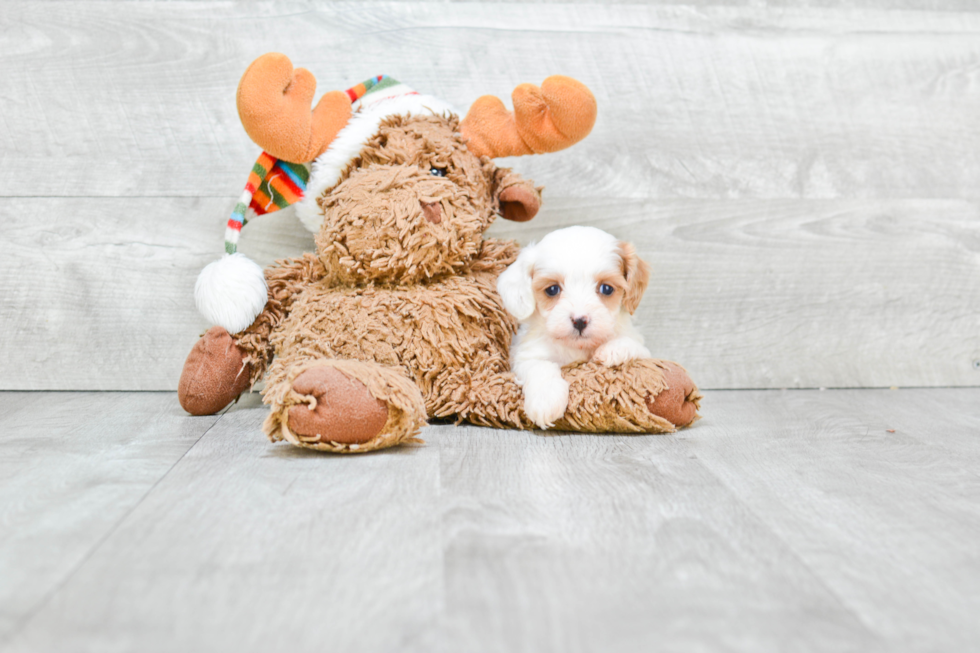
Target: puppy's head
<point>577,282</point>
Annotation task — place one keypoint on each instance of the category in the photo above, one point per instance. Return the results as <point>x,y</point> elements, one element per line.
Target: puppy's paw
<point>618,351</point>
<point>544,404</point>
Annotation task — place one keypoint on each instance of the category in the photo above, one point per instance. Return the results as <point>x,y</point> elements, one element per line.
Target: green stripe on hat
<point>387,82</point>
<point>298,169</point>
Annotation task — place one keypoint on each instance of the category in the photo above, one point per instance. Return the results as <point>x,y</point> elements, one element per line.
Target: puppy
<point>574,293</point>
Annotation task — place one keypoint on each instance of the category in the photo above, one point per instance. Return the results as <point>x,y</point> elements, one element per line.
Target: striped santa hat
<point>231,292</point>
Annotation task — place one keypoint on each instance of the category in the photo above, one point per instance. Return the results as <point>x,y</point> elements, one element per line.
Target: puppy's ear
<point>637,274</point>
<point>514,285</point>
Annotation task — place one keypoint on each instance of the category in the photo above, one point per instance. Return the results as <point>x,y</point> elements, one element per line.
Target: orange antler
<point>274,105</point>
<point>546,119</point>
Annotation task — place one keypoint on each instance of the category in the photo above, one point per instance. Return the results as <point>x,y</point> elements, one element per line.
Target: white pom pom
<point>231,292</point>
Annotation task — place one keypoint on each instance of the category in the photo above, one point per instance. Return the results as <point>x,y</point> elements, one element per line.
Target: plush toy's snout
<point>432,211</point>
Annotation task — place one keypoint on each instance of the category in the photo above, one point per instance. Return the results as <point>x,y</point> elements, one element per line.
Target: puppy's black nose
<point>580,323</point>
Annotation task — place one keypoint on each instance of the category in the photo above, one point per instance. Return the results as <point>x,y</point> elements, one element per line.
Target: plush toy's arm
<point>286,280</point>
<point>221,366</point>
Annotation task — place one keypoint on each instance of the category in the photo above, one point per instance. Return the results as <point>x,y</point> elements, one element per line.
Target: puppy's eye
<point>606,289</point>
<point>553,290</point>
<point>437,172</point>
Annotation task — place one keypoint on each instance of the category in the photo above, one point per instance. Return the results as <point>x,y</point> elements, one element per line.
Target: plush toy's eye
<point>606,289</point>
<point>437,172</point>
<point>553,290</point>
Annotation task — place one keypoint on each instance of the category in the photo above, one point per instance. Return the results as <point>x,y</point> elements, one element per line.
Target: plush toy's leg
<point>215,372</point>
<point>343,406</point>
<point>642,396</point>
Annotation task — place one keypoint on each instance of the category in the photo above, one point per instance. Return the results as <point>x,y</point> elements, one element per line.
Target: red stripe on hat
<point>260,201</point>
<point>284,181</point>
<point>236,225</point>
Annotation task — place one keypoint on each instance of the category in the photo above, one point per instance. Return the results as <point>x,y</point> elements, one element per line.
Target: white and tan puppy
<point>574,293</point>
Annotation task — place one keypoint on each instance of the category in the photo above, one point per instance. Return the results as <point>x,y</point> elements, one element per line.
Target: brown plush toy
<point>396,319</point>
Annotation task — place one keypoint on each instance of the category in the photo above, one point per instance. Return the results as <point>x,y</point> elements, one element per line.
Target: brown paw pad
<point>345,411</point>
<point>675,404</point>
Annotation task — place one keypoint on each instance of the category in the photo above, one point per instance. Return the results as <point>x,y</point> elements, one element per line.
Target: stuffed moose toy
<point>396,318</point>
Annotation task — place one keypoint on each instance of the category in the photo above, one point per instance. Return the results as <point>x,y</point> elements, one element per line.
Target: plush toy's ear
<point>514,285</point>
<point>637,275</point>
<point>519,200</point>
<point>519,203</point>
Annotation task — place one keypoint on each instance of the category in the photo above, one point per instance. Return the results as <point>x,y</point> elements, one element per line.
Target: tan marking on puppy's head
<point>619,285</point>
<point>539,282</point>
<point>636,272</point>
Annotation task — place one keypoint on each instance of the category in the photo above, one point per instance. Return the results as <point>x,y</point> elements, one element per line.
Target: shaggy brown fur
<point>401,297</point>
<point>286,281</point>
<point>374,227</point>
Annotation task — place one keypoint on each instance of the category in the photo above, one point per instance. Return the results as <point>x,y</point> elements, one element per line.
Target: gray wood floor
<point>784,521</point>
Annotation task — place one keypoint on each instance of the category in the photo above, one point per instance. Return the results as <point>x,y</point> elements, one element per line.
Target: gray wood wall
<point>804,180</point>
